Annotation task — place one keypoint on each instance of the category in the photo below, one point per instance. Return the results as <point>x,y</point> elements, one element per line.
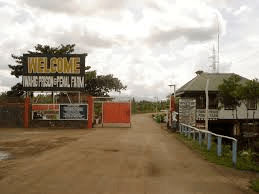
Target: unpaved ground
<point>141,159</point>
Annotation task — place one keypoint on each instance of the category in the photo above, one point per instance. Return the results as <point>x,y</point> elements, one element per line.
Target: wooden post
<point>26,111</point>
<point>90,112</point>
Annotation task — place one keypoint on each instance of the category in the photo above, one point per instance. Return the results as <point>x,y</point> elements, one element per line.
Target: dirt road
<point>141,159</point>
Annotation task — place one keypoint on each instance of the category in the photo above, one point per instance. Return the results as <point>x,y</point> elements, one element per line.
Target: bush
<point>245,161</point>
<point>255,185</point>
<point>159,118</point>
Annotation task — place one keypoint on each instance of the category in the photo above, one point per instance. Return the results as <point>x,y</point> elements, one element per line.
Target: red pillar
<point>26,112</point>
<point>90,102</point>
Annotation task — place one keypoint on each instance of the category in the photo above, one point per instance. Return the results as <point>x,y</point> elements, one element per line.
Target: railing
<point>189,130</point>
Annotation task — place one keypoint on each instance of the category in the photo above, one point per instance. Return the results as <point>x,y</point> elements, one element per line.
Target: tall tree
<point>99,85</point>
<point>230,92</point>
<point>249,92</point>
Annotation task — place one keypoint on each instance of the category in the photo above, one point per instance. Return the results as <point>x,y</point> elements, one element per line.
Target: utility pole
<point>207,105</point>
<point>218,44</point>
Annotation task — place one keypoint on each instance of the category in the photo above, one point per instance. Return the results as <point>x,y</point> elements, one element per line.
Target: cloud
<point>243,9</point>
<point>77,7</point>
<point>23,16</point>
<point>192,34</point>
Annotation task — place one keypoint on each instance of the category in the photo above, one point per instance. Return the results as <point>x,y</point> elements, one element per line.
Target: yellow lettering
<point>68,66</point>
<point>53,64</point>
<point>46,69</point>
<point>41,61</point>
<point>76,65</point>
<point>60,65</point>
<point>32,64</point>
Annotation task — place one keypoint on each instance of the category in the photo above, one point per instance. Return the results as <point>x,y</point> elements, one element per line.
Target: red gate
<point>116,113</point>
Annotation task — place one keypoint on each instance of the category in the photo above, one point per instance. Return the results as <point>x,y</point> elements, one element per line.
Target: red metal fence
<point>116,112</point>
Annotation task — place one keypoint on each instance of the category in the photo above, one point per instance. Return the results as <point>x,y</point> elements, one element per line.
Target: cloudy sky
<point>147,44</point>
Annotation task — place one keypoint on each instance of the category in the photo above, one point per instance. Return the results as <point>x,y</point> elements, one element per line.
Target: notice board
<point>73,111</point>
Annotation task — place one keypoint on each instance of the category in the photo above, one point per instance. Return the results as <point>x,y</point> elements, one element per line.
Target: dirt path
<point>141,159</point>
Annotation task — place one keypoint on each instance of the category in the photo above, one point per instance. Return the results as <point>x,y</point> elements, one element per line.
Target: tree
<point>250,91</point>
<point>99,85</point>
<point>230,92</point>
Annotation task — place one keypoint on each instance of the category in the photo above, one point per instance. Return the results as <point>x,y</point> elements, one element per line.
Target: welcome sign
<point>54,72</point>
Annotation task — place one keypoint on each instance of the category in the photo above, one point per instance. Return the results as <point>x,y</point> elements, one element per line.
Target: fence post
<point>209,141</point>
<point>200,138</point>
<point>234,153</point>
<point>180,128</point>
<point>193,134</point>
<point>26,112</point>
<point>189,132</point>
<point>219,146</point>
<point>90,104</point>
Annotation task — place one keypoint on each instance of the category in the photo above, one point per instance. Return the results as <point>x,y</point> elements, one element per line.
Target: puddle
<point>5,155</point>
<point>111,150</point>
<point>34,132</point>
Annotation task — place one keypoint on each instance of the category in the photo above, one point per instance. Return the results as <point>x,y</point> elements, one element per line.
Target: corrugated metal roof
<point>199,82</point>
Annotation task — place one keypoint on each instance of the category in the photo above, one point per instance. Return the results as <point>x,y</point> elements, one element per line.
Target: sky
<point>147,44</point>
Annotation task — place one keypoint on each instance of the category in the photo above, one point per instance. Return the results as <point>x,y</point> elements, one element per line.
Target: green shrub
<point>160,118</point>
<point>245,161</point>
<point>255,185</point>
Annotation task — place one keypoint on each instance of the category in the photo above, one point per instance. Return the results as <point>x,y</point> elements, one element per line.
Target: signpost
<point>73,112</point>
<point>54,72</point>
<point>63,72</point>
<point>187,110</point>
<point>59,112</point>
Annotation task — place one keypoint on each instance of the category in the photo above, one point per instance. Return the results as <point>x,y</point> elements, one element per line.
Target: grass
<point>225,159</point>
<point>255,185</point>
<point>244,161</point>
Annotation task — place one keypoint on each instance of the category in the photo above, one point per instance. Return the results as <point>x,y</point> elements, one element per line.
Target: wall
<point>241,113</point>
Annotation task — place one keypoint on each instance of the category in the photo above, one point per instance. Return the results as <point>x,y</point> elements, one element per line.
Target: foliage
<point>255,185</point>
<point>3,96</point>
<point>230,92</point>
<point>99,85</point>
<point>160,118</point>
<point>145,106</point>
<point>250,90</point>
<point>246,161</point>
<point>43,99</point>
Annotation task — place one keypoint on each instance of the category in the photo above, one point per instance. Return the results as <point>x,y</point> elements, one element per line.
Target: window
<point>251,104</point>
<point>200,102</point>
<point>213,102</point>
